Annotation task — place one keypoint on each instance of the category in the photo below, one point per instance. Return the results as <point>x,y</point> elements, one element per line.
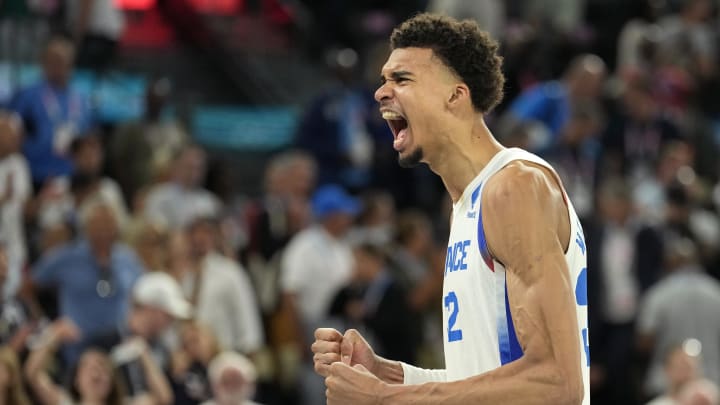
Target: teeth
<point>389,115</point>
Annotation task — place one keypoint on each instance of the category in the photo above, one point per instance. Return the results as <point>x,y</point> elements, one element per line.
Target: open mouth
<point>399,127</point>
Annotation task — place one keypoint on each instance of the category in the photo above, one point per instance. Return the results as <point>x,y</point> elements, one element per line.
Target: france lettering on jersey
<point>477,323</point>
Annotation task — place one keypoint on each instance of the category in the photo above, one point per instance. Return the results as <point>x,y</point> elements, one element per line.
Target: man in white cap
<point>232,377</point>
<point>158,302</point>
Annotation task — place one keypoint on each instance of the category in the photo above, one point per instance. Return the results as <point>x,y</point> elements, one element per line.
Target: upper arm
<point>524,214</point>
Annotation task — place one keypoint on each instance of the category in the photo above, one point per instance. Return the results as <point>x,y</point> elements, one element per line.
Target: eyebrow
<point>398,74</point>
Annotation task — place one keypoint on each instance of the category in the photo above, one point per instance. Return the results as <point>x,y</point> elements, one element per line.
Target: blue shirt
<point>45,111</point>
<point>547,103</point>
<point>72,269</point>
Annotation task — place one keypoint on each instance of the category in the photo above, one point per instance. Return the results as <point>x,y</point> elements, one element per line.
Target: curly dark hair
<point>463,47</point>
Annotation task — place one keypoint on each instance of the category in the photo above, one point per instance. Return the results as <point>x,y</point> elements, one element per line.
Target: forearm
<point>36,363</point>
<point>158,384</point>
<point>508,385</point>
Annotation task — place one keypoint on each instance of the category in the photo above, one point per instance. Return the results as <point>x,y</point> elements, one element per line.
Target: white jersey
<point>478,330</point>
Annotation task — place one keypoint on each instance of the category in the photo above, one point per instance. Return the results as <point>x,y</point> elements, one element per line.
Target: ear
<point>459,96</point>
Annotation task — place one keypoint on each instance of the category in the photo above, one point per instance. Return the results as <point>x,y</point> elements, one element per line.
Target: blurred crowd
<point>125,279</point>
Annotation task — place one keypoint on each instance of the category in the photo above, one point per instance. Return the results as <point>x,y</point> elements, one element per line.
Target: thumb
<point>346,350</point>
<point>360,367</point>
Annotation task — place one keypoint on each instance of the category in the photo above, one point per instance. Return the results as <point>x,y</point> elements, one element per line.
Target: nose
<point>383,92</point>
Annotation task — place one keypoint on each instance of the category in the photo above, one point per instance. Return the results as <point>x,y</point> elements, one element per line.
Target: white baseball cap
<point>159,290</point>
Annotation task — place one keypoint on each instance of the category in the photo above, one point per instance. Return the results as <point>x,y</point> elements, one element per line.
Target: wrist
<point>389,371</point>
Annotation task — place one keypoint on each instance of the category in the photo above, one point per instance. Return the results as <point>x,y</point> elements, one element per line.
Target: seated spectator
<point>198,346</point>
<point>93,380</point>
<point>12,389</point>
<point>221,291</point>
<point>53,114</point>
<point>681,306</point>
<point>182,199</point>
<point>93,275</point>
<point>136,345</point>
<point>548,104</point>
<point>141,151</point>
<point>15,325</point>
<point>232,377</point>
<point>15,190</point>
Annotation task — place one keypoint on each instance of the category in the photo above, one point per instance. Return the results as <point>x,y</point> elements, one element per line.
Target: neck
<point>466,152</point>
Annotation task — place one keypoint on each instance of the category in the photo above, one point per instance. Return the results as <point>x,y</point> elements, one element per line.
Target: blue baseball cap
<point>333,199</point>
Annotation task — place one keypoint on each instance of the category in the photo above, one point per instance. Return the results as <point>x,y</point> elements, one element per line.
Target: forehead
<point>413,60</point>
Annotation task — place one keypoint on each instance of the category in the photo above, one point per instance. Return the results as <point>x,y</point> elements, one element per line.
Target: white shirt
<point>14,168</point>
<point>175,206</point>
<point>478,331</point>
<point>315,266</point>
<point>226,303</point>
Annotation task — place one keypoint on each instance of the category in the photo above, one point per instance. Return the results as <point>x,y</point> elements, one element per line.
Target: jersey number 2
<point>452,301</point>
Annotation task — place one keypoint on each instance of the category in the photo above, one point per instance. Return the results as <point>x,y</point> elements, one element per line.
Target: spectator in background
<point>85,186</point>
<point>53,114</point>
<point>335,128</point>
<point>93,275</point>
<point>15,325</point>
<point>682,306</point>
<point>221,291</point>
<point>613,256</point>
<point>701,392</point>
<point>316,264</point>
<point>490,14</point>
<point>96,26</point>
<point>151,243</point>
<point>637,131</point>
<point>182,199</point>
<point>198,346</point>
<point>687,39</point>
<point>273,220</point>
<point>12,389</point>
<point>376,221</point>
<point>92,381</point>
<point>233,380</point>
<point>547,106</point>
<point>141,151</point>
<point>681,368</point>
<point>374,301</point>
<point>284,209</point>
<point>136,345</point>
<point>574,156</point>
<point>15,190</point>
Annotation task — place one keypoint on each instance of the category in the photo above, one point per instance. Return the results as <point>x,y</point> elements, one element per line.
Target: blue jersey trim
<point>482,242</point>
<point>508,344</point>
<point>510,349</point>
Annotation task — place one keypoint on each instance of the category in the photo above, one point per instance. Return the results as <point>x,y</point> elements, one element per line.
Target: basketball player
<point>515,319</point>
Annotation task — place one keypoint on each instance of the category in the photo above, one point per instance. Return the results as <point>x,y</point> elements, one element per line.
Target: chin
<point>411,159</point>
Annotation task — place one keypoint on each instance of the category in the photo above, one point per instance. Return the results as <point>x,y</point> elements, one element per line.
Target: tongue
<point>400,140</point>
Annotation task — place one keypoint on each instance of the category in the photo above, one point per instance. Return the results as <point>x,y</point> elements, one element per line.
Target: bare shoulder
<point>523,185</point>
<point>523,208</point>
